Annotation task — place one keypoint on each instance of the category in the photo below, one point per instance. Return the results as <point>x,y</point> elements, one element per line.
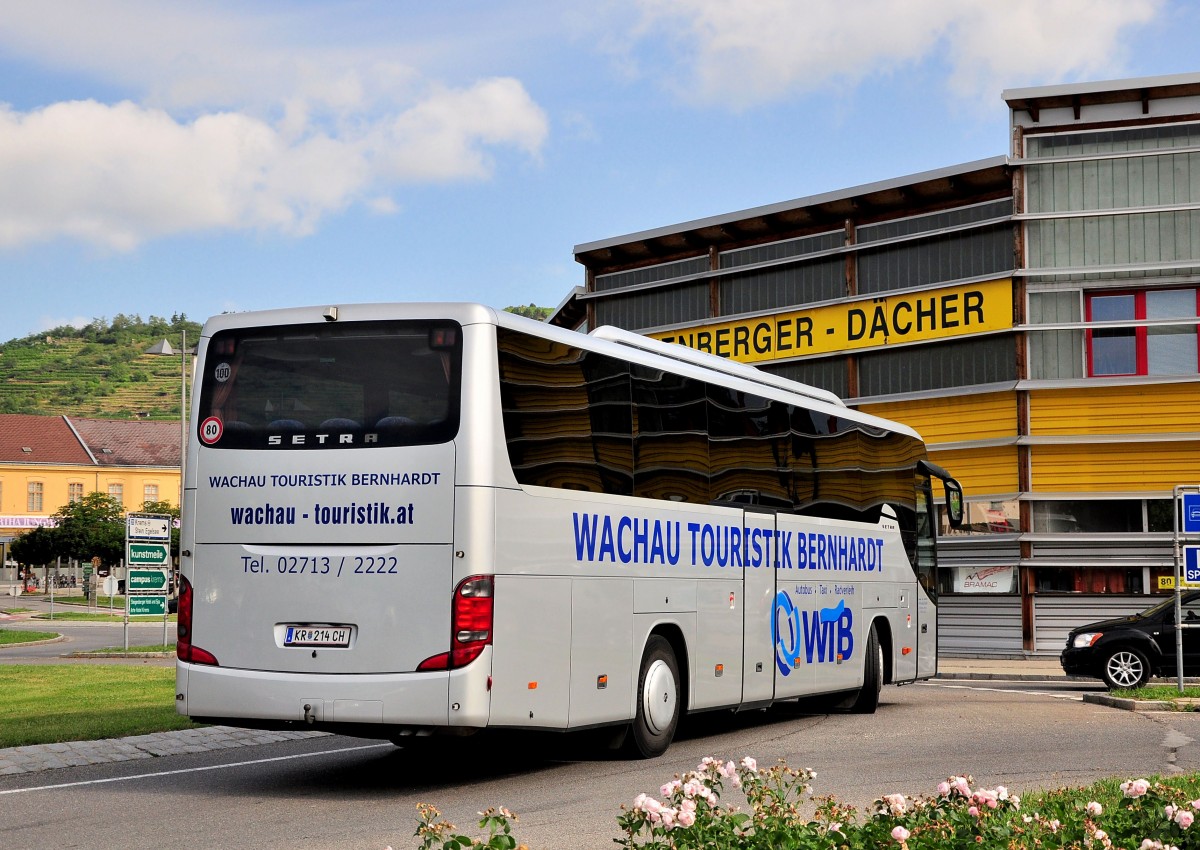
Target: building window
<point>117,492</point>
<point>1153,350</point>
<point>150,493</point>
<point>33,503</point>
<point>74,493</point>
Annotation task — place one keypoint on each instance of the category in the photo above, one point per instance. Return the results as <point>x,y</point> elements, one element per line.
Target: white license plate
<point>317,636</point>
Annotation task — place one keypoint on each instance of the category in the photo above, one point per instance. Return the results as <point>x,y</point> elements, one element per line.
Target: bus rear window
<point>330,386</point>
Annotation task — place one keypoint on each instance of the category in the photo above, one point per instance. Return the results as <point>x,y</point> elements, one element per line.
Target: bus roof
<point>606,340</point>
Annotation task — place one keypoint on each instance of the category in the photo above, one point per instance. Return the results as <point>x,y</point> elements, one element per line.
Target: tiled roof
<point>130,442</point>
<point>49,439</point>
<point>62,439</point>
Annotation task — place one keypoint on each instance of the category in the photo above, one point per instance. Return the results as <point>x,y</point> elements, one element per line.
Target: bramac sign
<point>865,323</point>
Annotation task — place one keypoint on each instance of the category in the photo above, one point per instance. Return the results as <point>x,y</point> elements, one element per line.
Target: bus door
<point>758,606</point>
<point>926,569</point>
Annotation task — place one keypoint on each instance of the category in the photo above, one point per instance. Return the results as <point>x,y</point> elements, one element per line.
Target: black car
<point>1126,651</point>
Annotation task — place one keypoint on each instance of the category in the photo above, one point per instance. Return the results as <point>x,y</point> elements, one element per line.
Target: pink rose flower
<point>901,834</point>
<point>1095,809</point>
<point>1184,818</point>
<point>687,818</point>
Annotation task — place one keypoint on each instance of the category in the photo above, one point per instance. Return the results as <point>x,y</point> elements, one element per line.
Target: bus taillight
<point>470,625</point>
<point>183,646</point>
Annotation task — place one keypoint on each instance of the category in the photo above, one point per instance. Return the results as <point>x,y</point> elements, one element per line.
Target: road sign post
<point>1186,506</point>
<point>147,544</point>
<point>147,606</point>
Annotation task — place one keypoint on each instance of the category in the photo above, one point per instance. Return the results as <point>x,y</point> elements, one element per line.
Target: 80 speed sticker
<point>211,430</point>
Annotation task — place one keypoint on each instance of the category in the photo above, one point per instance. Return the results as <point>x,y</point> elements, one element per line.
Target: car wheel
<point>658,700</point>
<point>1126,667</point>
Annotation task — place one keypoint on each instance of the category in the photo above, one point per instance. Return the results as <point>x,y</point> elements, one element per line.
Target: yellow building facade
<point>47,462</point>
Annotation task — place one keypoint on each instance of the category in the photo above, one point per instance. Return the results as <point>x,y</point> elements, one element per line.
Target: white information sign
<point>147,527</point>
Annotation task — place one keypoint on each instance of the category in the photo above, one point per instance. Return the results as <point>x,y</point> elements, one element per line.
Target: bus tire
<point>658,701</point>
<point>868,697</point>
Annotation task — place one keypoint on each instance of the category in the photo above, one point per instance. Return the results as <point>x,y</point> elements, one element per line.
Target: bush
<point>781,812</point>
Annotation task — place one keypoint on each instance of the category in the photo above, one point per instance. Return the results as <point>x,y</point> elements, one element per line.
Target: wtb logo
<point>824,635</point>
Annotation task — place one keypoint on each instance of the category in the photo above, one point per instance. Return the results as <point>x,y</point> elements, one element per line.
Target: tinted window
<point>354,385</point>
<point>567,417</point>
<point>578,420</point>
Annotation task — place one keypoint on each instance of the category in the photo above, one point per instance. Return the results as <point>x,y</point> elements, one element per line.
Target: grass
<point>17,610</point>
<point>10,637</point>
<point>46,704</point>
<point>1159,692</point>
<point>117,616</point>
<point>116,650</point>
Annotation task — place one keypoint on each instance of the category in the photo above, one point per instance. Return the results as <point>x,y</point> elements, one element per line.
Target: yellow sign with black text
<point>856,325</point>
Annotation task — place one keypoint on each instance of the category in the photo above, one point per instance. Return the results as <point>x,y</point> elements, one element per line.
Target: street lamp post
<point>183,412</point>
<point>164,349</point>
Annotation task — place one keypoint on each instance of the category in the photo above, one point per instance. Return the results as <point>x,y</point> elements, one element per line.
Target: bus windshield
<point>314,387</point>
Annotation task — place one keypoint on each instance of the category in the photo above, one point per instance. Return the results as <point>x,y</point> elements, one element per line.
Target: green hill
<point>100,371</point>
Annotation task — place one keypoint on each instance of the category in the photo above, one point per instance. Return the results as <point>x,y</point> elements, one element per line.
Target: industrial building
<point>1034,316</point>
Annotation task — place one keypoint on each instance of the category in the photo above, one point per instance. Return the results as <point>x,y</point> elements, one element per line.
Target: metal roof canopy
<point>1077,95</point>
<point>873,201</point>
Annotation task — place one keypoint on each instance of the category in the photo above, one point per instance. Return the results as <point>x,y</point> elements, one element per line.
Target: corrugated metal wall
<point>978,360</point>
<point>1153,409</point>
<point>830,373</point>
<point>651,274</point>
<point>983,472</point>
<point>954,419</point>
<point>784,288</point>
<point>653,307</point>
<point>1055,616</point>
<point>979,625</point>
<point>1113,467</point>
<point>1059,353</point>
<point>955,256</point>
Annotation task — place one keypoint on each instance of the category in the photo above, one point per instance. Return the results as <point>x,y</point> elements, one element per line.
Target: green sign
<point>140,580</point>
<point>147,554</point>
<point>146,606</point>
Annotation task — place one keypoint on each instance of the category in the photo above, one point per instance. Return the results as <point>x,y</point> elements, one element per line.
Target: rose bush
<point>779,810</point>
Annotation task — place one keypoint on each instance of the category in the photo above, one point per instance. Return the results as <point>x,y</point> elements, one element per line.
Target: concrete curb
<point>1126,704</point>
<point>27,643</point>
<point>40,757</point>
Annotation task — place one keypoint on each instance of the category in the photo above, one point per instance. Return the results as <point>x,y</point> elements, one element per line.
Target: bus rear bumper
<point>266,699</point>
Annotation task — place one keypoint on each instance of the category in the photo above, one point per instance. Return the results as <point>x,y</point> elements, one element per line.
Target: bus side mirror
<point>954,502</point>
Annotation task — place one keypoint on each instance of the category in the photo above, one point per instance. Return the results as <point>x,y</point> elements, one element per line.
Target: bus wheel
<point>868,698</point>
<point>657,700</point>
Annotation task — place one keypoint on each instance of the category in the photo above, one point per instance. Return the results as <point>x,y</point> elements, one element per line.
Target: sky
<point>206,156</point>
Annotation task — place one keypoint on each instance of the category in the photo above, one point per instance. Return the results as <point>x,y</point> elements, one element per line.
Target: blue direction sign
<point>1191,513</point>
<point>1191,565</point>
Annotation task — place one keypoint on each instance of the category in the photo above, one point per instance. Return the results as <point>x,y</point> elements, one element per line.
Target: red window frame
<point>1141,335</point>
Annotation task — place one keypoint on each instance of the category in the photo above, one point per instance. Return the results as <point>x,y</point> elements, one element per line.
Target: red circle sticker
<point>211,430</point>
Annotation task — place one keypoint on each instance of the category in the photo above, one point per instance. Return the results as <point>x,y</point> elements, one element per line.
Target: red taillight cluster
<point>470,624</point>
<point>183,646</point>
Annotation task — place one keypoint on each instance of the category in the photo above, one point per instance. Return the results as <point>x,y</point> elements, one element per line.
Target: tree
<point>93,526</point>
<point>34,548</point>
<point>166,509</point>
<point>532,311</point>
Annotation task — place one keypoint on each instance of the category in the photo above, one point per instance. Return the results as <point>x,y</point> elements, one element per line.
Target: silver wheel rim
<point>1125,669</point>
<point>658,697</point>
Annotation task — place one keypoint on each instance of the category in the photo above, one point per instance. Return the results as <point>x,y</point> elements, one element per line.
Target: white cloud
<point>230,125</point>
<point>740,54</point>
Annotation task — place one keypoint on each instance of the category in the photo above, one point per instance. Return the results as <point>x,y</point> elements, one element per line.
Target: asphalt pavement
<point>43,757</point>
